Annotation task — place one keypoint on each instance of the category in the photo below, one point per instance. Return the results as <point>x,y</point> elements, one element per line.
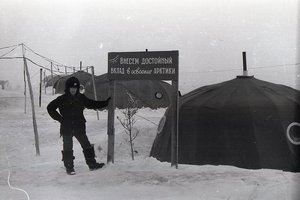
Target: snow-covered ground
<point>23,175</point>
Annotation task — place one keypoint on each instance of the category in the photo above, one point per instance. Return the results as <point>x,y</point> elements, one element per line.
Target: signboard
<point>154,65</point>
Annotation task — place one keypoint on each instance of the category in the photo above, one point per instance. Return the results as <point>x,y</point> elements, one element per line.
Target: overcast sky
<point>209,34</point>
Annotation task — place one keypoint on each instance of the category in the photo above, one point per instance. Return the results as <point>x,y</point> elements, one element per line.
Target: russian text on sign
<point>155,65</point>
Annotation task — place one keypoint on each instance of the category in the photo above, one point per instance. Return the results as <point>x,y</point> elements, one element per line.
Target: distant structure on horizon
<point>4,84</point>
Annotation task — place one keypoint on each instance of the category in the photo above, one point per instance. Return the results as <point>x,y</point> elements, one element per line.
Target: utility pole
<point>36,136</point>
<point>45,80</point>
<point>52,82</point>
<point>41,79</point>
<point>24,75</point>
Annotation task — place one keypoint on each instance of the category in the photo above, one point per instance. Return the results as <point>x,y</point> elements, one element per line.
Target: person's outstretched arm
<point>91,104</point>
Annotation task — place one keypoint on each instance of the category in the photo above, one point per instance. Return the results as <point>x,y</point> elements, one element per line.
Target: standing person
<point>72,123</point>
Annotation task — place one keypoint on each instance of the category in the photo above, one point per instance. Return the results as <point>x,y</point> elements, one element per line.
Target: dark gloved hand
<point>60,120</point>
<point>108,99</point>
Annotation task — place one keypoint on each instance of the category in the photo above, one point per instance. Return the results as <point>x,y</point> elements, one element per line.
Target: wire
<point>36,64</point>
<point>41,66</point>
<point>47,59</point>
<point>9,51</point>
<point>146,119</point>
<point>56,64</point>
<point>9,46</point>
<point>3,58</point>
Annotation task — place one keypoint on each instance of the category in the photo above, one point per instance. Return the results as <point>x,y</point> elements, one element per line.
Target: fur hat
<point>72,82</point>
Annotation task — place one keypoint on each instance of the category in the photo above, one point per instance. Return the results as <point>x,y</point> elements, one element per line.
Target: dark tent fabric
<point>82,76</point>
<point>49,80</point>
<point>241,122</point>
<point>145,92</point>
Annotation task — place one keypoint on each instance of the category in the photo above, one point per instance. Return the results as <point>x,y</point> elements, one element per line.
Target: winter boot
<point>68,159</point>
<point>89,155</point>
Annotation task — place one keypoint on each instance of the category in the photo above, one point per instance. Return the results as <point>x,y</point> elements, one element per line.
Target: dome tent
<point>148,93</point>
<point>50,81</point>
<point>82,76</point>
<point>241,122</point>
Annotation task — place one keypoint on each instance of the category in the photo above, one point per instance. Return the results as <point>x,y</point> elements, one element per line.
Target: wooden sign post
<point>94,86</point>
<point>111,123</point>
<point>148,65</point>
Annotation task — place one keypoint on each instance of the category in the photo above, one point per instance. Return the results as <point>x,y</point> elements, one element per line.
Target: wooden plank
<point>174,128</point>
<point>110,123</point>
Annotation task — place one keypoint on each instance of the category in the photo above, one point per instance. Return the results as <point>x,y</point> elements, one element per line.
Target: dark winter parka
<point>71,108</point>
